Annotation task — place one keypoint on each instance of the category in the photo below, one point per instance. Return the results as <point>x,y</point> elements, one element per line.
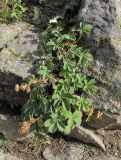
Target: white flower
<point>53,20</point>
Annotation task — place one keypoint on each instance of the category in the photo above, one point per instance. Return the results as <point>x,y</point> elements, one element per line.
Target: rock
<point>87,136</point>
<point>19,45</point>
<point>104,158</point>
<point>8,156</point>
<point>119,146</point>
<point>37,16</point>
<point>99,13</point>
<point>69,152</point>
<point>9,32</point>
<point>104,120</point>
<point>10,124</point>
<point>9,127</point>
<point>105,44</point>
<point>116,126</point>
<point>48,155</point>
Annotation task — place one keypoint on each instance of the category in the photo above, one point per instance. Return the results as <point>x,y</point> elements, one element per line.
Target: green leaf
<point>68,37</point>
<point>67,129</point>
<point>65,112</point>
<point>60,126</point>
<point>76,51</point>
<point>53,128</point>
<point>69,65</point>
<point>70,123</point>
<point>51,43</point>
<point>89,86</point>
<point>69,126</point>
<point>77,115</point>
<point>48,123</point>
<point>54,116</point>
<point>51,124</point>
<point>43,71</point>
<point>56,96</point>
<point>87,57</point>
<point>66,103</point>
<point>86,28</point>
<point>69,96</point>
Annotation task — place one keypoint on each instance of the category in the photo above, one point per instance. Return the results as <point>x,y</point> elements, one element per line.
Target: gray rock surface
<point>19,45</point>
<point>87,136</point>
<point>9,127</point>
<point>104,158</point>
<point>102,121</point>
<point>99,13</point>
<point>104,42</point>
<point>8,33</point>
<point>8,156</point>
<point>68,152</point>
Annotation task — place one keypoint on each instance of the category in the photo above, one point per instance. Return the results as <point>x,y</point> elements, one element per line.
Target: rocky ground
<point>20,44</point>
<point>79,151</point>
<point>28,147</point>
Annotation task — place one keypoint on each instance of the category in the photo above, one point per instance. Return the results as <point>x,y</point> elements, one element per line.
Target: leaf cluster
<point>63,97</point>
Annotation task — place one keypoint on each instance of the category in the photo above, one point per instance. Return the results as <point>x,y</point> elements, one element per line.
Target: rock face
<point>105,42</point>
<point>10,122</point>
<point>99,13</point>
<point>19,43</point>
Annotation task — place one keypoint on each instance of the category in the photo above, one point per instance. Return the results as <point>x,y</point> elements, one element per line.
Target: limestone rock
<point>104,158</point>
<point>19,45</point>
<point>119,146</point>
<point>9,32</point>
<point>99,13</point>
<point>48,155</point>
<point>69,152</point>
<point>86,136</point>
<point>9,127</point>
<point>8,156</point>
<point>105,44</point>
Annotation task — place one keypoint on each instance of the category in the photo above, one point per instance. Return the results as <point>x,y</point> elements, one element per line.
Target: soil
<point>112,141</point>
<point>26,150</point>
